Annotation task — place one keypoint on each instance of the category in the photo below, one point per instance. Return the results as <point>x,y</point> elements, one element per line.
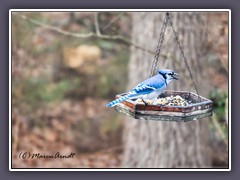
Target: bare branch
<point>113,21</point>
<point>67,33</point>
<point>90,35</point>
<point>96,24</point>
<point>219,129</point>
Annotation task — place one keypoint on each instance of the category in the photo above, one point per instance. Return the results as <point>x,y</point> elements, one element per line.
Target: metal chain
<point>159,45</point>
<point>183,55</point>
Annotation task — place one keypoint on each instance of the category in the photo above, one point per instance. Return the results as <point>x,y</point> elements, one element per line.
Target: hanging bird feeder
<point>192,106</point>
<point>200,107</point>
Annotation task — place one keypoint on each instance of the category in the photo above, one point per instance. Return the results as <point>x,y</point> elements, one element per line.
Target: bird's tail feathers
<point>117,101</point>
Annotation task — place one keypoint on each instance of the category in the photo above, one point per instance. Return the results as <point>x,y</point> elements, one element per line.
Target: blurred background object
<point>66,66</point>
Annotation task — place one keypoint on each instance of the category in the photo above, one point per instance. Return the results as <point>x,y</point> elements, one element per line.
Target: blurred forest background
<point>66,66</point>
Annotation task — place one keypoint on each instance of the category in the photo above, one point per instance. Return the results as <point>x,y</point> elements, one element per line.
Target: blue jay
<point>151,88</point>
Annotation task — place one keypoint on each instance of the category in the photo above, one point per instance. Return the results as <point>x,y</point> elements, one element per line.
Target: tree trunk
<point>152,144</point>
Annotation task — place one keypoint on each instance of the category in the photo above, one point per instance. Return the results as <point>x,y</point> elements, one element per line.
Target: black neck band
<point>164,77</point>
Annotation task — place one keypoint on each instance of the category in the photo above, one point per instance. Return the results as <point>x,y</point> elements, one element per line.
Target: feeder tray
<point>201,107</point>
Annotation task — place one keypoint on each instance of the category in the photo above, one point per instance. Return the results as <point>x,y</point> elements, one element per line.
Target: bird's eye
<point>171,73</point>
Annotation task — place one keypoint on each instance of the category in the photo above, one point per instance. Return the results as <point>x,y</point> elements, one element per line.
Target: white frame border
<point>120,10</point>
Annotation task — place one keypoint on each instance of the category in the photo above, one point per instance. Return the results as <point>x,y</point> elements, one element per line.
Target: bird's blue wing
<point>149,85</point>
<point>142,89</point>
<point>134,93</point>
<point>145,88</point>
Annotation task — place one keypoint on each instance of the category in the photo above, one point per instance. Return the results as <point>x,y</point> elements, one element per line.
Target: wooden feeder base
<point>200,108</point>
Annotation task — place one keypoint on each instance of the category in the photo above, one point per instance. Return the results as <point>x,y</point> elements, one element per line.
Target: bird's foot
<point>145,103</point>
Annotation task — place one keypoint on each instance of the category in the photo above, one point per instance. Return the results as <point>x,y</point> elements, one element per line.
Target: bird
<point>150,89</point>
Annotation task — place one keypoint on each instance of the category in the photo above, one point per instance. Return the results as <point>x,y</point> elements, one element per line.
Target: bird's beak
<point>175,76</point>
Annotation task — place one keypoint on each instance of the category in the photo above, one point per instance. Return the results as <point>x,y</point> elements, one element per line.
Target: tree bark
<point>152,144</point>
